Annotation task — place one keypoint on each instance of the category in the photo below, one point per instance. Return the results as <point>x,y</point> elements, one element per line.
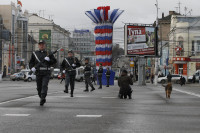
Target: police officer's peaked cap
<point>42,42</point>
<point>70,51</point>
<point>87,59</point>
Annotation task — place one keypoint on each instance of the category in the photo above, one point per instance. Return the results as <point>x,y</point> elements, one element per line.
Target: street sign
<point>131,64</point>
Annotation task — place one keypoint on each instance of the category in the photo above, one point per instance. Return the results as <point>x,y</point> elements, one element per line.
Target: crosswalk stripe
<point>16,115</point>
<point>89,116</point>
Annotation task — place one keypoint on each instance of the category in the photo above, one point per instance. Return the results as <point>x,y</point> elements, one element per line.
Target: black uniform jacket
<point>68,66</point>
<point>42,67</point>
<point>87,70</point>
<point>100,71</point>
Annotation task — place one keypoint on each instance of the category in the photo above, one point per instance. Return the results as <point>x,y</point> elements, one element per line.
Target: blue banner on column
<point>104,79</point>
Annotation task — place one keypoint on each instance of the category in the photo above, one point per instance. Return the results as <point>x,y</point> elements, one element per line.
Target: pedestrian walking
<point>108,76</point>
<point>182,80</point>
<point>100,73</point>
<point>124,83</point>
<point>62,77</point>
<point>194,79</point>
<point>40,63</point>
<point>68,66</point>
<point>152,78</point>
<point>87,74</point>
<point>169,77</point>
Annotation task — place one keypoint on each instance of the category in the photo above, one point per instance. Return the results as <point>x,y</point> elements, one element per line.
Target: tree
<point>117,52</point>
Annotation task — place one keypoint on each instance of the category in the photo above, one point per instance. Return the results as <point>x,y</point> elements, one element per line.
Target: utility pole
<point>179,6</point>
<point>156,59</point>
<point>1,32</point>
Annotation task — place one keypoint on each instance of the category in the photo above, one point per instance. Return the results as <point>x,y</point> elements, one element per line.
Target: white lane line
<point>17,115</point>
<point>19,99</point>
<point>109,97</point>
<point>89,116</point>
<point>186,92</point>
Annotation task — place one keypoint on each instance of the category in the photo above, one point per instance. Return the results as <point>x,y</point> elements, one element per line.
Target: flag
<point>19,3</point>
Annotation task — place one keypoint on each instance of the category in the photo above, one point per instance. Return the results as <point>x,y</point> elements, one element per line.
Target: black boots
<point>92,89</point>
<point>65,91</point>
<point>42,101</point>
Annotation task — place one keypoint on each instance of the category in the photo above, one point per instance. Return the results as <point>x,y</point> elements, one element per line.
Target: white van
<point>80,74</point>
<point>196,76</point>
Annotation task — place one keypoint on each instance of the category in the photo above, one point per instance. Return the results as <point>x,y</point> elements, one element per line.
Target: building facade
<point>55,36</point>
<point>16,22</point>
<point>83,44</point>
<point>184,48</point>
<point>164,24</point>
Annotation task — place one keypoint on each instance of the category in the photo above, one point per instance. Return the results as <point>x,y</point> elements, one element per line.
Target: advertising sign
<point>140,40</point>
<point>46,35</point>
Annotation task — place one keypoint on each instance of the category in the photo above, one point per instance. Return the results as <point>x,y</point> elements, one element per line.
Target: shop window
<point>193,49</point>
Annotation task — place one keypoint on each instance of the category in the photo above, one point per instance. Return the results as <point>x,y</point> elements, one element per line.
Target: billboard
<point>46,35</point>
<point>140,40</point>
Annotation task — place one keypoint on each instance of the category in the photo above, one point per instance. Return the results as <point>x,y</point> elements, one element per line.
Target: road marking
<point>16,115</point>
<point>186,92</point>
<point>89,116</point>
<point>109,97</point>
<point>19,99</point>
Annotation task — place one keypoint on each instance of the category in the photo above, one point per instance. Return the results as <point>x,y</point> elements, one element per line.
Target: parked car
<point>80,74</point>
<point>28,77</point>
<point>190,78</point>
<point>56,71</point>
<point>175,78</point>
<point>17,76</point>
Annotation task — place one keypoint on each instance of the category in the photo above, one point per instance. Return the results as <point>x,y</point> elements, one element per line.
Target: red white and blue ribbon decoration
<point>104,19</point>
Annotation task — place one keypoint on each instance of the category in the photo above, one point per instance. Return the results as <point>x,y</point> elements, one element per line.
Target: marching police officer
<point>40,63</point>
<point>100,73</point>
<point>68,67</point>
<point>87,74</point>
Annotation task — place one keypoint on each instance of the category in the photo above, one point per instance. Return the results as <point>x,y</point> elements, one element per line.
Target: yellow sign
<point>131,64</point>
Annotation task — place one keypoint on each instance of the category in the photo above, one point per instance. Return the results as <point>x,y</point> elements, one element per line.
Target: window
<point>193,50</point>
<point>198,46</point>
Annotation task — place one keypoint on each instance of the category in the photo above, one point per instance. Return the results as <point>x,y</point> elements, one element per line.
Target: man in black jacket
<point>68,67</point>
<point>169,78</point>
<point>100,73</point>
<point>40,63</point>
<point>87,74</point>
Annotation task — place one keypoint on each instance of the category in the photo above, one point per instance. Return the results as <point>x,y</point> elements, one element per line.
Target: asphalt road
<point>99,111</point>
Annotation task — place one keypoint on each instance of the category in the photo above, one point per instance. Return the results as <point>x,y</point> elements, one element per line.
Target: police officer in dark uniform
<point>100,73</point>
<point>87,74</point>
<point>40,63</point>
<point>108,76</point>
<point>68,67</point>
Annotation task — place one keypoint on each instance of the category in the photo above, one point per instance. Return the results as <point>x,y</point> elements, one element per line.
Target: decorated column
<point>104,18</point>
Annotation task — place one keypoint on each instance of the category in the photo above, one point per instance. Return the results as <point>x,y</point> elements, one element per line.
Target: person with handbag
<point>68,66</point>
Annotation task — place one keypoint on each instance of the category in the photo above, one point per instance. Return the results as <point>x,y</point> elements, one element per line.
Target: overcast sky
<point>70,14</point>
